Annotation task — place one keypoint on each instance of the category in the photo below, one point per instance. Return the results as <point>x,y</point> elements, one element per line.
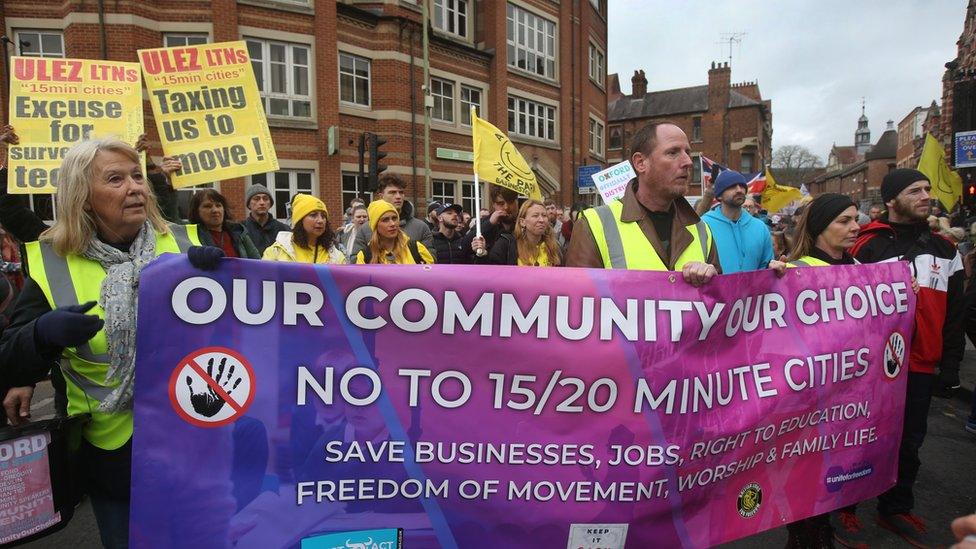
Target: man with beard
<point>937,344</point>
<point>653,227</point>
<point>504,210</point>
<point>743,242</point>
<point>448,241</point>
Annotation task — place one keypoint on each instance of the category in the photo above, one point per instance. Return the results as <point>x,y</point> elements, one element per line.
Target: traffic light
<point>362,157</point>
<point>375,155</point>
<point>970,197</point>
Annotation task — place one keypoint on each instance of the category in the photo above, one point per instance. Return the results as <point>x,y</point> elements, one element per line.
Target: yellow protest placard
<point>208,111</point>
<point>55,103</point>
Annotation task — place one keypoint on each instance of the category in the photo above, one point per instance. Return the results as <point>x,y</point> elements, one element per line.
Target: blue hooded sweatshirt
<point>743,245</point>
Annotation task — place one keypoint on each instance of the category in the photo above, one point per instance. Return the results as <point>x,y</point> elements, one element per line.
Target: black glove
<point>205,257</point>
<point>716,169</point>
<point>67,326</point>
<point>946,383</point>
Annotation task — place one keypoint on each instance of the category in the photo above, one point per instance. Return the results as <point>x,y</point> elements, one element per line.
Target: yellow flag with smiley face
<point>497,161</point>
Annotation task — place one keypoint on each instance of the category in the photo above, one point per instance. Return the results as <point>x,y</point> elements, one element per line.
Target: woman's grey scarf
<point>119,298</point>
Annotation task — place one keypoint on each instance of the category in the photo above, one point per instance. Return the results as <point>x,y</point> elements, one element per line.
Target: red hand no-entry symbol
<point>212,387</point>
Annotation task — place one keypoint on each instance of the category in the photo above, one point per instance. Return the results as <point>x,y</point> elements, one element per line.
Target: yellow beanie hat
<point>304,204</point>
<point>376,210</point>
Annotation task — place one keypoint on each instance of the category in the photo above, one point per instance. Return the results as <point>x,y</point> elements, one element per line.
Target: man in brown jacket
<point>654,201</point>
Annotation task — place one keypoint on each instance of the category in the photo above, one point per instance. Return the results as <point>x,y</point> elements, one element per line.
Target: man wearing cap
<point>448,246</point>
<point>653,227</point>
<point>937,343</point>
<point>743,242</point>
<point>260,226</point>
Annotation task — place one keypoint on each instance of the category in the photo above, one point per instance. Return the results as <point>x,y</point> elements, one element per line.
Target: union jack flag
<point>757,182</point>
<point>706,170</point>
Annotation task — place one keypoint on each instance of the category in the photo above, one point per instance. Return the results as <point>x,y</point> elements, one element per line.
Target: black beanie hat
<point>897,180</point>
<point>824,209</point>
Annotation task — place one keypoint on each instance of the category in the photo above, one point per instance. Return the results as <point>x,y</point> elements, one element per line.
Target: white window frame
<point>263,66</point>
<point>443,197</point>
<point>359,192</point>
<point>598,64</point>
<point>597,132</point>
<point>40,33</point>
<point>183,39</point>
<point>525,114</point>
<point>447,13</point>
<point>466,104</point>
<point>524,29</point>
<point>467,197</point>
<point>188,192</point>
<point>446,100</point>
<point>354,76</point>
<point>282,208</point>
<point>33,200</point>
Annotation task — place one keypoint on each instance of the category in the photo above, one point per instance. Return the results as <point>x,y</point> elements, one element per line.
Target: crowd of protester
<point>110,217</point>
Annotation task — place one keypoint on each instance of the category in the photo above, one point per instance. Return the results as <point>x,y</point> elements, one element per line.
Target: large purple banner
<point>285,405</point>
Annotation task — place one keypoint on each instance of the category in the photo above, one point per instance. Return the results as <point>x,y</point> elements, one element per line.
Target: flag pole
<point>477,188</point>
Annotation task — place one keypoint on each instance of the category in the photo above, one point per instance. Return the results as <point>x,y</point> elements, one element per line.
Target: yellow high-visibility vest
<point>73,280</point>
<point>624,245</point>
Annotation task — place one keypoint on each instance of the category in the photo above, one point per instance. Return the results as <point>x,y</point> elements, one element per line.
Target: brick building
<point>534,68</point>
<point>729,123</point>
<point>858,176</point>
<point>958,112</point>
<point>911,134</point>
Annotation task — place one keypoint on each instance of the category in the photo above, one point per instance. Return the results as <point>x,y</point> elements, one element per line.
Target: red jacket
<point>938,340</point>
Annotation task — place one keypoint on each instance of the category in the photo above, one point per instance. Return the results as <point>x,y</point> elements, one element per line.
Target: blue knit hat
<point>728,179</point>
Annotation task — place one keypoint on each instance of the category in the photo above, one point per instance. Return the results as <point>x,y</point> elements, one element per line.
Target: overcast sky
<point>814,60</point>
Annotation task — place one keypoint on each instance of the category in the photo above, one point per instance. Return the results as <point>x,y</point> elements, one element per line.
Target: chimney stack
<point>638,85</point>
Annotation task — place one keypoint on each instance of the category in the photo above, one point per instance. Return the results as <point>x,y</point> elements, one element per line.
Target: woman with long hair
<point>209,210</point>
<point>310,239</point>
<point>78,310</point>
<point>533,242</point>
<point>389,244</point>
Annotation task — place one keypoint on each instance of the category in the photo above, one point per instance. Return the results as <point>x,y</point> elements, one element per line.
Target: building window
<point>282,72</point>
<point>41,44</point>
<point>470,97</point>
<point>467,197</point>
<point>176,40</point>
<point>531,42</point>
<point>284,185</point>
<point>696,172</point>
<point>451,16</point>
<point>531,119</point>
<point>747,163</point>
<point>442,191</point>
<point>35,43</point>
<point>598,64</point>
<point>596,137</point>
<point>442,92</point>
<point>185,194</point>
<point>353,187</point>
<point>616,138</point>
<point>354,79</point>
<point>696,128</point>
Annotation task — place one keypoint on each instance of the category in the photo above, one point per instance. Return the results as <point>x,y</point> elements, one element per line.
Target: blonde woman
<point>532,244</point>
<point>79,306</point>
<point>310,239</point>
<point>388,244</point>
